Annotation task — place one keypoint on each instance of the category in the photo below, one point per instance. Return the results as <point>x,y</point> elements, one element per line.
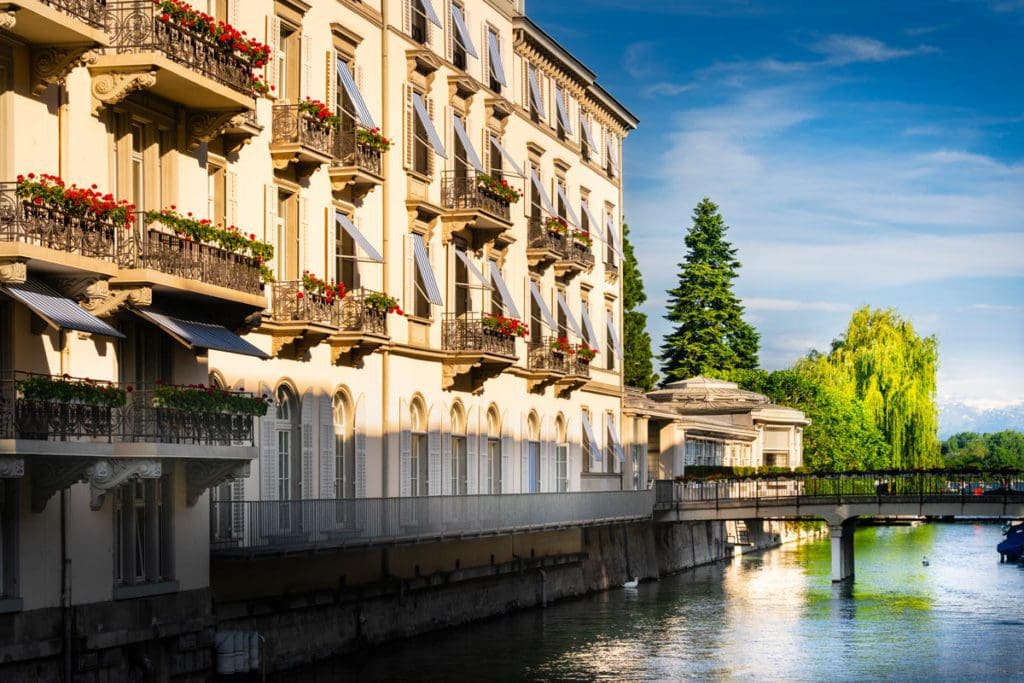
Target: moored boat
<point>1012,547</point>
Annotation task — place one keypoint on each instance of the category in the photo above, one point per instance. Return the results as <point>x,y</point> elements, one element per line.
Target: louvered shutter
<point>273,67</point>
<point>407,16</point>
<point>446,463</point>
<point>524,457</point>
<point>485,56</point>
<point>410,128</point>
<point>507,444</point>
<point>405,454</point>
<point>309,88</point>
<point>472,459</point>
<point>231,198</point>
<point>328,464</point>
<point>410,275</point>
<point>270,214</point>
<point>449,32</point>
<point>268,455</point>
<point>485,149</point>
<point>306,244</point>
<point>308,425</point>
<point>429,101</point>
<point>331,81</point>
<point>434,461</point>
<point>360,449</point>
<point>331,273</point>
<point>233,13</point>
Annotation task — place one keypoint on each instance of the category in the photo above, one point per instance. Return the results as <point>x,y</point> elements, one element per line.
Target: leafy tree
<point>638,364</point>
<point>710,334</point>
<point>998,450</point>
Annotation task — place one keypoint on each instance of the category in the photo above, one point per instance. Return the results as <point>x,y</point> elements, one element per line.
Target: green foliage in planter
<point>67,390</point>
<point>203,399</point>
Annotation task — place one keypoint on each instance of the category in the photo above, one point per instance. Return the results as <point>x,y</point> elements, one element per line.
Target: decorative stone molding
<point>204,126</point>
<point>50,475</point>
<point>13,272</point>
<point>51,65</point>
<point>422,66</point>
<point>104,475</point>
<point>7,21</point>
<point>103,302</point>
<point>12,467</point>
<point>451,370</point>
<point>460,92</point>
<point>111,87</point>
<point>201,475</point>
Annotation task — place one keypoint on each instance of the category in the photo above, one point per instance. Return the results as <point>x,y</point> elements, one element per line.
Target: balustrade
<point>29,223</point>
<point>468,332</point>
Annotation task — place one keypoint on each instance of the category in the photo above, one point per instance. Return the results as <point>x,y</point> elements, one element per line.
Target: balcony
<point>53,239</point>
<point>154,256</point>
<point>472,211</point>
<point>473,352</point>
<point>546,363</point>
<point>545,246</point>
<point>577,373</point>
<point>168,60</point>
<point>299,139</point>
<point>73,25</point>
<point>299,320</point>
<point>611,270</point>
<point>579,258</point>
<point>356,164</point>
<point>295,526</point>
<point>362,327</point>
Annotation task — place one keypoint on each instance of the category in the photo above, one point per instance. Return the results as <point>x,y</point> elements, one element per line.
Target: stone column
<point>842,549</point>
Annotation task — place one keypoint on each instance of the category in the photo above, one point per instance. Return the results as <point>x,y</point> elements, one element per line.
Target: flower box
<point>506,327</point>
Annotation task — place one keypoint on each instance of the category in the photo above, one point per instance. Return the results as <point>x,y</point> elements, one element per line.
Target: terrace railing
<point>349,151</point>
<point>135,26</point>
<point>90,12</point>
<point>464,191</point>
<point>291,303</point>
<point>358,314</point>
<point>543,356</point>
<point>542,238</point>
<point>467,332</point>
<point>28,223</point>
<point>291,126</point>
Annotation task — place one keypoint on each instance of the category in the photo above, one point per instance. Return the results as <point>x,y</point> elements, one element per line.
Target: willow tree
<point>893,371</point>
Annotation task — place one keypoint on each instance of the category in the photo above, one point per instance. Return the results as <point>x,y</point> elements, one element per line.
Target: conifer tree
<point>710,334</point>
<point>638,365</point>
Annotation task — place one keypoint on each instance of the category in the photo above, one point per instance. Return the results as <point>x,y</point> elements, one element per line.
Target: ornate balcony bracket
<point>349,348</point>
<point>204,126</point>
<point>240,131</point>
<point>50,475</point>
<point>538,381</point>
<point>201,475</point>
<point>7,21</point>
<point>611,272</point>
<point>111,87</point>
<point>51,65</point>
<point>294,339</point>
<point>96,296</point>
<point>565,386</point>
<point>104,475</point>
<point>469,371</point>
<point>13,272</point>
<point>12,467</point>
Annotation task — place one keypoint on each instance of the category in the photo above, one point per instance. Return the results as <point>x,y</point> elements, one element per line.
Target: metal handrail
<point>541,356</point>
<point>292,126</point>
<point>136,26</point>
<point>467,332</point>
<point>463,190</point>
<point>349,151</point>
<point>29,223</point>
<point>89,12</point>
<point>542,238</point>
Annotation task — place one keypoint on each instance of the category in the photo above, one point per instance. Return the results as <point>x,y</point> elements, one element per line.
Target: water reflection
<point>773,615</point>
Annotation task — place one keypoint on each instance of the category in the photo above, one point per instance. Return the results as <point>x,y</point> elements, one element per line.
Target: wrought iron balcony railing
<point>611,267</point>
<point>90,12</point>
<point>360,314</point>
<point>581,253</point>
<point>291,126</point>
<point>349,151</point>
<point>291,303</point>
<point>542,238</point>
<point>66,409</point>
<point>303,525</point>
<point>577,367</point>
<point>546,355</point>
<point>155,247</point>
<point>25,222</point>
<point>135,26</point>
<point>462,190</point>
<point>467,332</point>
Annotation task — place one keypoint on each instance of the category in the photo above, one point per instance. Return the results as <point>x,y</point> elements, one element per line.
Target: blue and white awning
<point>612,156</point>
<point>538,101</point>
<point>348,226</point>
<point>588,429</point>
<point>432,137</point>
<point>59,312</point>
<point>506,295</point>
<point>588,326</point>
<point>570,319</point>
<point>616,444</point>
<point>585,125</point>
<point>613,333</point>
<point>200,335</point>
<point>538,187</point>
<point>563,111</point>
<point>349,83</point>
<point>595,225</point>
<point>613,234</point>
<point>569,213</point>
<point>426,271</point>
<point>471,156</point>
<point>507,156</point>
<point>545,312</point>
<point>473,270</point>
<point>428,10</point>
<point>462,32</point>
<point>494,50</point>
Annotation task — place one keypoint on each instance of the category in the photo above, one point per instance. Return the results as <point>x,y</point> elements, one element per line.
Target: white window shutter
<point>328,465</point>
<point>507,444</point>
<point>405,454</point>
<point>308,419</point>
<point>272,69</point>
<point>485,55</point>
<point>309,89</point>
<point>268,455</point>
<point>231,198</point>
<point>431,154</point>
<point>360,450</point>
<point>446,463</point>
<point>434,461</point>
<point>331,80</point>
<point>472,461</point>
<point>331,273</point>
<point>410,128</point>
<point>407,16</point>
<point>524,457</point>
<point>449,32</point>
<point>270,214</point>
<point>234,16</point>
<point>306,247</point>
<point>410,275</point>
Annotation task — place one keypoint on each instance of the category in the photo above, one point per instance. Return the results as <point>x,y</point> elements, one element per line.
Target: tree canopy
<point>710,335</point>
<point>638,364</point>
<point>998,450</point>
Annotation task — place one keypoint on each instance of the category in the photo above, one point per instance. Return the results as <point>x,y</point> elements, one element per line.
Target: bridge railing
<point>845,487</point>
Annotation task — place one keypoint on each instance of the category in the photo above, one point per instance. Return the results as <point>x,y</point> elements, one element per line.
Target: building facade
<point>392,225</point>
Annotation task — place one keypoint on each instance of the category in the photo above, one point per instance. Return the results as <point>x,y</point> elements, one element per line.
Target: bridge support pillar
<point>842,549</point>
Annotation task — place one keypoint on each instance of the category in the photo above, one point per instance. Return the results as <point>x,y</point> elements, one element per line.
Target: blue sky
<point>862,152</point>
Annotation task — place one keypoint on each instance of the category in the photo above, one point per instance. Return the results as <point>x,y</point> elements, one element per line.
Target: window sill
<point>10,605</point>
<point>145,590</point>
<point>424,178</point>
<point>418,320</point>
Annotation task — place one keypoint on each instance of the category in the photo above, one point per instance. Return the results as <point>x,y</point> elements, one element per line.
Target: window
<point>344,457</point>
<point>562,320</point>
<point>496,70</point>
<point>421,302</point>
<point>344,106</point>
<point>459,57</point>
<point>346,261</point>
<point>463,288</point>
<point>288,63</point>
<point>536,203</point>
<point>459,465</point>
<point>419,463</point>
<point>561,458</point>
<point>611,455</point>
<point>533,455</point>
<point>585,150</point>
<point>495,160</point>
<point>609,340</point>
<point>142,532</point>
<point>587,447</point>
<point>463,167</point>
<point>285,412</point>
<point>419,27</point>
<point>141,150</point>
<point>421,150</point>
<point>492,466</point>
<point>536,317</point>
<point>636,452</point>
<point>497,303</point>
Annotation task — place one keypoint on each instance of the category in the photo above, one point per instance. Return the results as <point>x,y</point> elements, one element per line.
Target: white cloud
<point>668,88</point>
<point>639,60</point>
<point>760,304</point>
<point>840,50</point>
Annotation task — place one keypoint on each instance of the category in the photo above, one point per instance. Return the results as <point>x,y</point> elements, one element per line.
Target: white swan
<point>632,584</point>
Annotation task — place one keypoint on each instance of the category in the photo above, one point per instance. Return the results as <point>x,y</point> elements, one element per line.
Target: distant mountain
<point>960,417</point>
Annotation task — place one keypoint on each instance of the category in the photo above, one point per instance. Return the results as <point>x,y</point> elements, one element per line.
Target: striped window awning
<point>613,333</point>
<point>58,311</point>
<point>587,133</point>
<point>588,429</point>
<point>428,10</point>
<point>588,327</point>
<point>570,319</point>
<point>613,234</point>
<point>194,334</point>
<point>538,187</point>
<point>616,443</point>
<point>610,146</point>
<point>471,156</point>
<point>462,32</point>
<point>348,226</point>
<point>507,156</point>
<point>423,267</point>
<point>563,111</point>
<point>538,101</point>
<point>349,83</point>
<point>545,312</point>
<point>506,294</point>
<point>473,270</point>
<point>595,225</point>
<point>432,137</point>
<point>570,215</point>
<point>497,68</point>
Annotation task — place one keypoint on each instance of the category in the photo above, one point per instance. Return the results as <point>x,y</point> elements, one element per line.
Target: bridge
<point>840,499</point>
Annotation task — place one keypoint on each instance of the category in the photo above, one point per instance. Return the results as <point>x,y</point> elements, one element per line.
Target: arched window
<point>420,467</point>
<point>561,456</point>
<point>533,454</point>
<point>344,455</point>
<point>287,451</point>
<point>492,464</point>
<point>459,463</point>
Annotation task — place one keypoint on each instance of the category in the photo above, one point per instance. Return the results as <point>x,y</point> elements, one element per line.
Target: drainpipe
<point>385,385</point>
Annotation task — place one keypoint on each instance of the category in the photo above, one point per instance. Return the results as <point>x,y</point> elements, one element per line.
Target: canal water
<point>773,615</point>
